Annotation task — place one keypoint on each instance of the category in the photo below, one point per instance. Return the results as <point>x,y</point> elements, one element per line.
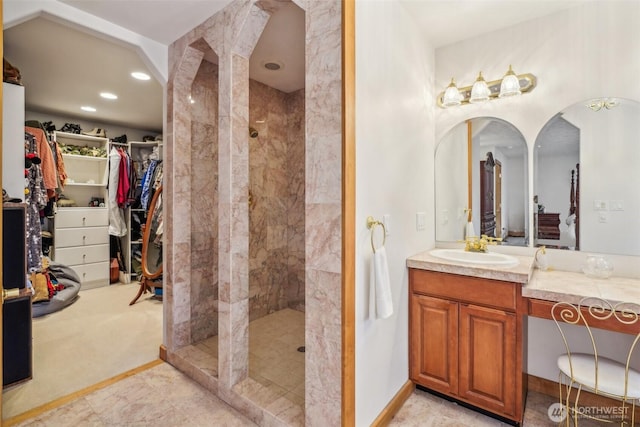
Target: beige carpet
<point>97,337</point>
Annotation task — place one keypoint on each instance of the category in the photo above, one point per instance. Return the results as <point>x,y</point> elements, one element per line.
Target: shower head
<point>252,132</point>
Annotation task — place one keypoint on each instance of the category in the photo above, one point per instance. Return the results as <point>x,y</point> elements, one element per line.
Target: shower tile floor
<point>274,359</point>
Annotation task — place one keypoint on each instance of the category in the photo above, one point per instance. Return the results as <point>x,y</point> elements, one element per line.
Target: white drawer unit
<point>81,217</point>
<point>81,242</point>
<point>66,237</point>
<point>82,254</point>
<point>93,275</point>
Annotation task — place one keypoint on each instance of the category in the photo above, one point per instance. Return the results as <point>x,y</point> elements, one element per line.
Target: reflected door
<point>487,214</point>
<point>498,199</point>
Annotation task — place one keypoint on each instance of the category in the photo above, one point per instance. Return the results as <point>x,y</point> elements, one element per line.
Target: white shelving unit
<point>81,236</point>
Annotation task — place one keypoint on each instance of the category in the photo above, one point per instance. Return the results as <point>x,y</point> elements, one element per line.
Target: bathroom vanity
<point>467,332</point>
<point>468,322</point>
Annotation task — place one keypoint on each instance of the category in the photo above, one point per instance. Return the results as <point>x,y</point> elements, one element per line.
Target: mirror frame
<point>145,238</point>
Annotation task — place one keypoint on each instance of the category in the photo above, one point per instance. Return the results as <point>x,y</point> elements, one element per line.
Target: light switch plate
<point>421,220</point>
<point>600,205</point>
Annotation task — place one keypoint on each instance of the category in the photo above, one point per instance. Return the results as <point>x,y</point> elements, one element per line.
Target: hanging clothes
<point>117,223</point>
<point>36,199</point>
<point>147,182</point>
<point>48,164</point>
<point>123,179</point>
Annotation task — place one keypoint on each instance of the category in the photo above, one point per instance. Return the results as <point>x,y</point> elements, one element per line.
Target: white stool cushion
<point>611,375</point>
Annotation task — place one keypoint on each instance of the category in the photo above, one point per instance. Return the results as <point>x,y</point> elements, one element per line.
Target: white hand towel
<point>384,301</point>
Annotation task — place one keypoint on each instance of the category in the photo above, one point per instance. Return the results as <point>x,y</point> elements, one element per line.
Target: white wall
<point>571,53</point>
<point>394,148</point>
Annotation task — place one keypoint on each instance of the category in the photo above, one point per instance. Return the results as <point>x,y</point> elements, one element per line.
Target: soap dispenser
<point>542,263</point>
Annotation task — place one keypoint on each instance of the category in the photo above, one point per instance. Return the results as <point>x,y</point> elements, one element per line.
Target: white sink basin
<point>478,258</point>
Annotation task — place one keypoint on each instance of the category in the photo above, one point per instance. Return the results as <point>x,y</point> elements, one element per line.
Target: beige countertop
<point>572,287</point>
<point>551,285</point>
<point>520,273</point>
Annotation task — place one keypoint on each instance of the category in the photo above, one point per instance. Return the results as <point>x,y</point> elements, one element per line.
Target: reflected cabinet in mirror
<point>481,182</point>
<point>586,178</point>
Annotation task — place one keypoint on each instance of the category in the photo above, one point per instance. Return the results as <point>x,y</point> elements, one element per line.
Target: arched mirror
<point>480,182</point>
<point>586,177</point>
<point>152,247</point>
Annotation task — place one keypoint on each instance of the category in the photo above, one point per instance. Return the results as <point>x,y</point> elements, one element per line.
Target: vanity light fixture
<point>480,92</point>
<point>510,85</point>
<point>452,95</point>
<point>599,104</point>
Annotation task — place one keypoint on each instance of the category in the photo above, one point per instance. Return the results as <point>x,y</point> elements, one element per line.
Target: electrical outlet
<point>616,205</point>
<point>602,217</point>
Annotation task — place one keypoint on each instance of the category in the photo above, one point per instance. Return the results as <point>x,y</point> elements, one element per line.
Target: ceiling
<point>64,68</point>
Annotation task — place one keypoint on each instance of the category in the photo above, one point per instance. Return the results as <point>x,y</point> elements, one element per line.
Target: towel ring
<point>371,223</point>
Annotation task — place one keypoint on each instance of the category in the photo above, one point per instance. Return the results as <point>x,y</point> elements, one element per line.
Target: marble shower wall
<point>295,205</point>
<point>276,210</point>
<point>231,34</point>
<point>204,212</point>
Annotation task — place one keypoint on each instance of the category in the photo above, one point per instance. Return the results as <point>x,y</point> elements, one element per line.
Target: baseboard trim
<point>394,405</point>
<point>35,412</point>
<point>163,353</point>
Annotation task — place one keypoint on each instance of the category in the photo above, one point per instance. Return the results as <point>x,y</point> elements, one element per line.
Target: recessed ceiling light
<point>273,65</point>
<point>87,108</point>
<point>140,75</point>
<point>108,95</point>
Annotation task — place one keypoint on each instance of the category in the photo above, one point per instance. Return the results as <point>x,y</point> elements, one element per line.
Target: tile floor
<point>274,359</point>
<point>143,400</point>
<point>423,409</point>
<point>160,396</point>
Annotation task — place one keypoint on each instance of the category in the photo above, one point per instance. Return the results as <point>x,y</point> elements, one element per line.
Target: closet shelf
<point>84,158</point>
<point>83,184</point>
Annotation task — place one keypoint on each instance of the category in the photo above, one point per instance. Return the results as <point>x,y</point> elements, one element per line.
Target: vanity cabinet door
<point>487,343</point>
<point>434,343</point>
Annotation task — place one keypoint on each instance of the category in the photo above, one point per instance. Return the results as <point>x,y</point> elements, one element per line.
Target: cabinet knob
<point>84,219</point>
<point>84,257</point>
<point>84,238</point>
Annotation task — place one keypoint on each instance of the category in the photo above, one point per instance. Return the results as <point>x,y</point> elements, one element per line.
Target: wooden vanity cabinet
<point>466,340</point>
